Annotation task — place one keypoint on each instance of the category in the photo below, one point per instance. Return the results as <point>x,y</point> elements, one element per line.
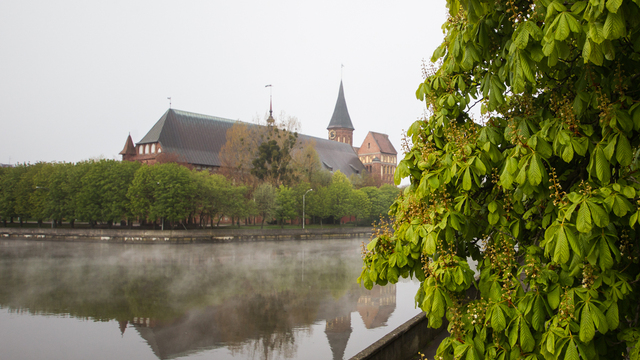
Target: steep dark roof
<point>335,155</point>
<point>383,143</point>
<point>340,117</point>
<point>194,138</point>
<point>197,139</point>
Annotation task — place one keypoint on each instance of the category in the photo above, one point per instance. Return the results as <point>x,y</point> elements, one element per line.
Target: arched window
<point>141,149</point>
<point>153,148</point>
<point>146,149</point>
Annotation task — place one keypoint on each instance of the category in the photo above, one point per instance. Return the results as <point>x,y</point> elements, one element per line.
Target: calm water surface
<point>265,300</point>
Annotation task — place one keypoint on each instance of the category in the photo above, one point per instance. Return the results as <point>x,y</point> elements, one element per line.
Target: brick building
<point>376,153</point>
<point>197,140</point>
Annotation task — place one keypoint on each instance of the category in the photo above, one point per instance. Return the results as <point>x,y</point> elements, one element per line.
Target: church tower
<point>340,127</point>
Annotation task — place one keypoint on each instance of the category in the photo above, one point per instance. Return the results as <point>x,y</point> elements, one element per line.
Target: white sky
<point>77,76</point>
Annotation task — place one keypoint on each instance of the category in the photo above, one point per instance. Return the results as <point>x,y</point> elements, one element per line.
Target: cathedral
<point>197,140</point>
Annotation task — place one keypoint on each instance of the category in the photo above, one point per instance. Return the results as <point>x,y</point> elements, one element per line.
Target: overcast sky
<point>77,76</point>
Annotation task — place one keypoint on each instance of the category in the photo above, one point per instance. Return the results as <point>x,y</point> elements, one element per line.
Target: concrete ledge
<point>405,341</point>
<point>181,236</point>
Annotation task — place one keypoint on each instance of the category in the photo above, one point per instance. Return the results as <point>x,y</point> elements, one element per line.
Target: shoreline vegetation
<point>168,195</point>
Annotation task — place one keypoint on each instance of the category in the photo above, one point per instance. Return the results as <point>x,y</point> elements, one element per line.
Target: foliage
<point>141,193</point>
<point>273,157</point>
<point>339,195</point>
<point>239,151</point>
<point>543,194</point>
<point>107,192</point>
<point>285,204</point>
<point>318,203</point>
<point>306,164</point>
<point>173,192</point>
<point>8,191</point>
<point>360,204</point>
<point>265,198</point>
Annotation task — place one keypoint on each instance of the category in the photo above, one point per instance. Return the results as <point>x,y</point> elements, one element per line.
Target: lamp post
<point>303,218</point>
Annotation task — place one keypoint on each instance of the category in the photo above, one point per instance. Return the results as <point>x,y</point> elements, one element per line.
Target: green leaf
<point>614,26</point>
<point>634,218</point>
<point>572,352</point>
<point>402,260</point>
<point>535,172</point>
<point>393,259</point>
<point>602,166</point>
<point>567,153</point>
<point>466,180</point>
<point>402,171</point>
<point>430,243</point>
<point>580,145</point>
<point>613,5</point>
<point>561,254</point>
<point>372,244</point>
<point>562,30</point>
<point>498,322</point>
<point>600,217</point>
<point>612,316</point>
<point>553,297</point>
<point>513,333</point>
<point>527,343</point>
<point>495,293</point>
<point>606,260</point>
<point>583,222</point>
<point>595,32</point>
<point>624,154</point>
<point>587,329</point>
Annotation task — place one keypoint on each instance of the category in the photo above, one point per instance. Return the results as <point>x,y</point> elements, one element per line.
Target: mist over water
<point>261,300</point>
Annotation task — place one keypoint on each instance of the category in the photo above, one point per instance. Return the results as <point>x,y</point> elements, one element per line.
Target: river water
<point>261,300</point>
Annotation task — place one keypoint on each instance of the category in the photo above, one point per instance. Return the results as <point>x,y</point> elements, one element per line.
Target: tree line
<point>104,192</point>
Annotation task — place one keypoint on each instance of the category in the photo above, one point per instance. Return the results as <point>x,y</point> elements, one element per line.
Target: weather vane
<point>169,102</point>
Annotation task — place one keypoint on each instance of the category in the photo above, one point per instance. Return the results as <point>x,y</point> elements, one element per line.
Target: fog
<point>249,300</point>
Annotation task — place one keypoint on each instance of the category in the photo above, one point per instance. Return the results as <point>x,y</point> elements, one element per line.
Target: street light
<point>303,218</point>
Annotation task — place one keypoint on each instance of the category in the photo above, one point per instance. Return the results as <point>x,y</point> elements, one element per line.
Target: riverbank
<point>221,235</point>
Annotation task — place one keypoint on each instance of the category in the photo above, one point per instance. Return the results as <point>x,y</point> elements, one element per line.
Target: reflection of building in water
<point>376,306</point>
<point>338,331</point>
<point>267,322</point>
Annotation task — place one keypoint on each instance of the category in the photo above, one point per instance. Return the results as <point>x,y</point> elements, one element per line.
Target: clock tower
<point>340,127</point>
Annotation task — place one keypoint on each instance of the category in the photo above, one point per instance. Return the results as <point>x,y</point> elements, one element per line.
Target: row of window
<point>387,170</point>
<point>385,159</point>
<point>384,169</point>
<point>148,149</point>
<point>388,159</point>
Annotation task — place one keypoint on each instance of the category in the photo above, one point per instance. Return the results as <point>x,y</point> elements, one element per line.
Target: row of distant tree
<point>108,191</point>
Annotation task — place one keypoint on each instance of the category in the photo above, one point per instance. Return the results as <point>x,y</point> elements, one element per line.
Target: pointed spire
<point>270,120</point>
<point>123,326</point>
<point>340,118</point>
<point>129,148</point>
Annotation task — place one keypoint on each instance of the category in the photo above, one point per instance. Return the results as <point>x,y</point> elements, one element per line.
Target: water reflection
<point>254,300</point>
